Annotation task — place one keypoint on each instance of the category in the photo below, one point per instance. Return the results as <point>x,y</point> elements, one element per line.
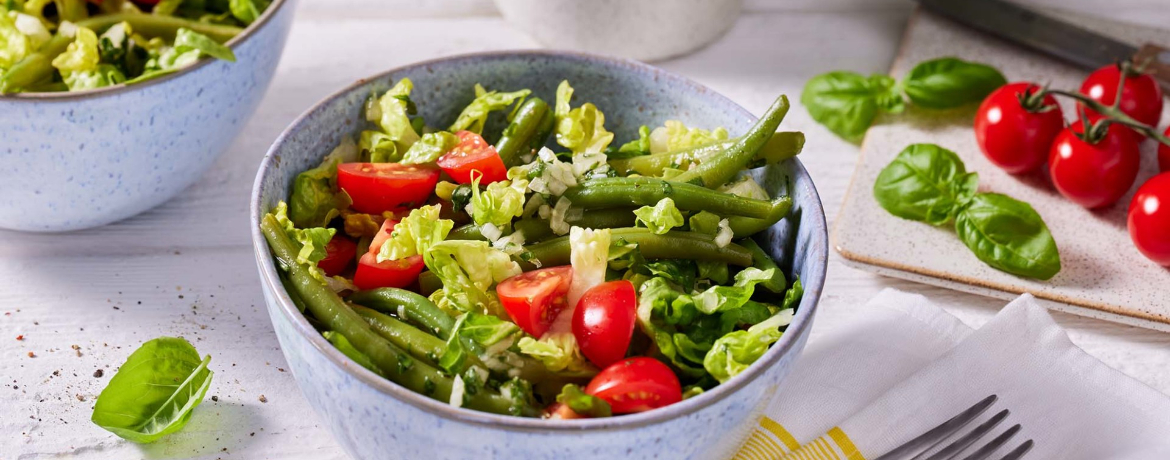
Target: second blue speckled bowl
<point>76,160</point>
<point>374,418</point>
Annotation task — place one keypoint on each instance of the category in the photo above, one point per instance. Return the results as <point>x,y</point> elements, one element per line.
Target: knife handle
<point>1159,63</point>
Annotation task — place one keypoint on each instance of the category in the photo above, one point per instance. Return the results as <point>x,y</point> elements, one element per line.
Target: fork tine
<point>956,447</point>
<point>937,433</point>
<point>991,447</point>
<point>1019,452</point>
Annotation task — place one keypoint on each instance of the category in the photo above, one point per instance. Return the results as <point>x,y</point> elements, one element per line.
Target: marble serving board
<point>1103,275</point>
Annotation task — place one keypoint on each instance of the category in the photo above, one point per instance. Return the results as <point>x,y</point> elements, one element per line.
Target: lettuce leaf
<point>391,113</point>
<point>558,351</point>
<point>188,47</point>
<point>499,203</point>
<point>378,147</point>
<point>634,148</point>
<point>430,147</point>
<point>14,44</point>
<point>487,330</point>
<point>589,256</point>
<point>585,405</point>
<point>468,269</point>
<point>247,11</point>
<point>724,298</point>
<point>581,129</point>
<point>734,352</point>
<point>475,115</point>
<point>661,217</point>
<point>80,65</point>
<point>674,136</point>
<point>415,234</point>
<point>704,222</point>
<point>314,201</point>
<point>310,242</point>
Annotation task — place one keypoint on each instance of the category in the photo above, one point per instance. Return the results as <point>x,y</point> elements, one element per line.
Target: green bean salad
<point>539,270</point>
<point>74,45</point>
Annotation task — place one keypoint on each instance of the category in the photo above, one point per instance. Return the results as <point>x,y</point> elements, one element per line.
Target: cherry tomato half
<point>1094,175</point>
<point>338,254</point>
<point>1164,154</point>
<point>379,187</point>
<point>473,154</point>
<point>1014,138</point>
<point>534,299</point>
<point>1149,219</point>
<point>1141,98</point>
<point>636,385</point>
<point>400,273</point>
<point>603,321</point>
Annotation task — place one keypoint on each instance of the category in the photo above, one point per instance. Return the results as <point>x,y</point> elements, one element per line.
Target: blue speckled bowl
<point>76,160</point>
<point>374,418</point>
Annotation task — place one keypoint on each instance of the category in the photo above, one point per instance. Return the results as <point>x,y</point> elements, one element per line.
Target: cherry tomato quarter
<point>383,235</point>
<point>636,385</point>
<point>1093,175</point>
<point>1141,98</point>
<point>338,254</point>
<point>379,187</point>
<point>1015,138</point>
<point>1149,219</point>
<point>603,321</point>
<point>401,273</point>
<point>473,154</point>
<point>534,299</point>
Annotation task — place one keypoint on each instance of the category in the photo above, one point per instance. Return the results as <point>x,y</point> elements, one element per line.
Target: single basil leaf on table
<point>925,183</point>
<point>154,392</point>
<point>847,102</point>
<point>949,82</point>
<point>1009,235</point>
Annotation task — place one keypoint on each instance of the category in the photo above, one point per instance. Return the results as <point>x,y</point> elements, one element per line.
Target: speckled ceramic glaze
<point>376,419</point>
<point>70,161</point>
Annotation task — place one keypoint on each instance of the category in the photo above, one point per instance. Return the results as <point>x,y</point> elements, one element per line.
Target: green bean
<point>733,160</point>
<point>407,305</point>
<point>761,260</point>
<point>671,245</point>
<point>747,226</point>
<point>547,124</point>
<point>292,293</point>
<point>428,283</point>
<point>612,192</point>
<point>537,229</point>
<point>151,25</point>
<point>466,232</point>
<point>781,146</point>
<point>416,342</point>
<point>327,307</point>
<point>520,133</point>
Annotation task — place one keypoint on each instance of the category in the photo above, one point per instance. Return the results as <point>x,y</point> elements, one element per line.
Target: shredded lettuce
<point>378,147</point>
<point>661,217</point>
<point>582,403</point>
<point>558,351</point>
<point>392,113</point>
<point>589,255</point>
<point>468,269</point>
<point>80,65</point>
<point>415,234</point>
<point>247,11</point>
<point>487,330</point>
<point>705,222</point>
<point>430,147</point>
<point>187,49</point>
<point>724,298</point>
<point>498,204</point>
<point>634,148</point>
<point>313,202</point>
<point>674,136</point>
<point>581,129</point>
<point>734,352</point>
<point>14,43</point>
<point>475,115</point>
<point>310,242</point>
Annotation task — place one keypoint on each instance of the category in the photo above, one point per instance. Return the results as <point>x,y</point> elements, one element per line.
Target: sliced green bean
<point>521,132</point>
<point>781,146</point>
<point>396,363</point>
<point>747,226</point>
<point>761,260</point>
<point>671,245</point>
<point>613,192</point>
<point>733,160</point>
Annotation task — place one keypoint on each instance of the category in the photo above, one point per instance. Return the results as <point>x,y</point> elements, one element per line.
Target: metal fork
<point>924,446</point>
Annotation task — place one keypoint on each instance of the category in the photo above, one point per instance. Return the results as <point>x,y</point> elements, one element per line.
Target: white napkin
<point>905,366</point>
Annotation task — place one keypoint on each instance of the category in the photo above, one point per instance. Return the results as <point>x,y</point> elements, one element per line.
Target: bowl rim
<point>119,88</point>
<point>270,279</point>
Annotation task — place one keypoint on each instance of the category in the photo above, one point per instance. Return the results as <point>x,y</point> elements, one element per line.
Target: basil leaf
<point>847,102</point>
<point>1008,235</point>
<point>926,183</point>
<point>949,82</point>
<point>154,392</point>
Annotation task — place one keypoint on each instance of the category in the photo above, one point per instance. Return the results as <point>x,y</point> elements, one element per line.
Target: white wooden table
<point>186,268</point>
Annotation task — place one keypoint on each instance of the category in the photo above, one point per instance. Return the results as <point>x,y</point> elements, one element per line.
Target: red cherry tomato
<point>379,187</point>
<point>1149,219</point>
<point>636,385</point>
<point>400,273</point>
<point>382,235</point>
<point>603,321</point>
<point>1164,154</point>
<point>1014,138</point>
<point>533,299</point>
<point>1094,175</point>
<point>338,254</point>
<point>1141,98</point>
<point>473,154</point>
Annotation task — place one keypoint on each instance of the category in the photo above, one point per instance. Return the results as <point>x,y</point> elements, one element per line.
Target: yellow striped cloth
<point>770,441</point>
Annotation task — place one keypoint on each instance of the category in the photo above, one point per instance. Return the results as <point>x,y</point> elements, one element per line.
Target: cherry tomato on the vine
<point>1164,154</point>
<point>636,385</point>
<point>1141,98</point>
<point>1094,174</point>
<point>1149,219</point>
<point>1014,137</point>
<point>603,321</point>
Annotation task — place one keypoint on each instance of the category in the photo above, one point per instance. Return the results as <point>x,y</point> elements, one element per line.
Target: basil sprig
<point>928,183</point>
<point>847,102</point>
